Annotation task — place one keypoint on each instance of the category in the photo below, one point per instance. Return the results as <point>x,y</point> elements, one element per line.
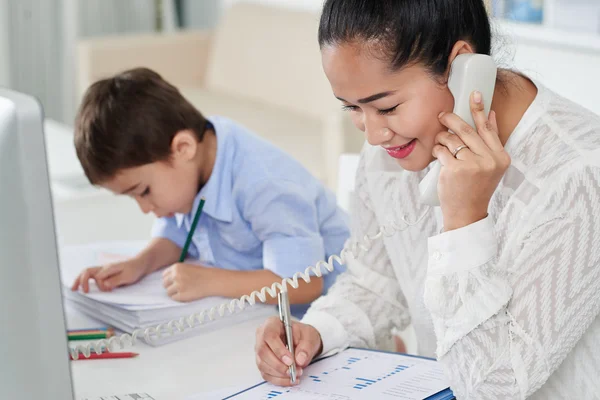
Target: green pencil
<point>90,336</point>
<point>188,240</point>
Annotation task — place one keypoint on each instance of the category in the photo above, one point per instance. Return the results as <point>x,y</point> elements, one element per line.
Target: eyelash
<point>146,192</point>
<point>387,111</point>
<point>380,112</point>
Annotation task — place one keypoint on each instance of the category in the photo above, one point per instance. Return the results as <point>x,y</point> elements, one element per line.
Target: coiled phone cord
<point>179,325</point>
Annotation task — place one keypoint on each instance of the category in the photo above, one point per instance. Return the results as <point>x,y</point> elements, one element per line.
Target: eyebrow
<point>371,98</point>
<point>130,189</point>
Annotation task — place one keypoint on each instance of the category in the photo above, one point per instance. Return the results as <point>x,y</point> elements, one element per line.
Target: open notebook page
<point>147,293</point>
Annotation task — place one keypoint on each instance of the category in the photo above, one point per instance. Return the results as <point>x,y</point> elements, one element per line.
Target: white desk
<point>220,359</point>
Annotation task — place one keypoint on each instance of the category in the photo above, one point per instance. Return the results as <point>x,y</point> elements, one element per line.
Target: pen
<point>286,318</point>
<point>190,235</point>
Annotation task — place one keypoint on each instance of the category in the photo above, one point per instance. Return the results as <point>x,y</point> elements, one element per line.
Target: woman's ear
<point>184,145</point>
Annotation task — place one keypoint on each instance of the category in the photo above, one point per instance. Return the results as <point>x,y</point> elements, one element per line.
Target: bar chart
<point>360,374</point>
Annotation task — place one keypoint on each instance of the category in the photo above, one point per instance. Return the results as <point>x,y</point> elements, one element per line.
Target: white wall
<point>569,73</point>
<point>35,36</point>
<point>4,44</point>
<point>69,30</point>
<point>311,5</point>
<point>568,63</point>
<point>200,14</point>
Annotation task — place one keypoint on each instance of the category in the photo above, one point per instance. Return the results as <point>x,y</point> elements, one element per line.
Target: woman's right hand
<point>272,355</point>
<point>111,276</point>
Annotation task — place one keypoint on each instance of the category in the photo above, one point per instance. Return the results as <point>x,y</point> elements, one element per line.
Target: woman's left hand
<point>469,177</point>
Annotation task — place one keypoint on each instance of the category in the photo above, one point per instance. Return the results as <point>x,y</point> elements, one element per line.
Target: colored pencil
<point>88,330</point>
<point>190,235</point>
<point>90,335</point>
<point>83,333</point>
<point>78,333</point>
<point>94,356</point>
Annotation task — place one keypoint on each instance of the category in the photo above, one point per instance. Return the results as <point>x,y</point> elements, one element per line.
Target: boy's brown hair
<point>130,120</point>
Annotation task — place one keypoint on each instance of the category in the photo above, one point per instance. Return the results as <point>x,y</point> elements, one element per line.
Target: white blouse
<point>509,305</point>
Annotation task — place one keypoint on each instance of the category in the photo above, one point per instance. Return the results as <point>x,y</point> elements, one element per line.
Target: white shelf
<point>542,35</point>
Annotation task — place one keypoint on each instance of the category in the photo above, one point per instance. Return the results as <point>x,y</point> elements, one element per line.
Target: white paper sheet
<point>215,394</point>
<point>360,374</point>
<point>130,396</point>
<point>147,293</point>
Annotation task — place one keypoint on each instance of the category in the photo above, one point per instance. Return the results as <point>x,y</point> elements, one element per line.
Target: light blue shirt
<point>263,210</point>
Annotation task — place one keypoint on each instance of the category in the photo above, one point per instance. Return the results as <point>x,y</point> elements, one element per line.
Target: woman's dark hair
<point>407,31</point>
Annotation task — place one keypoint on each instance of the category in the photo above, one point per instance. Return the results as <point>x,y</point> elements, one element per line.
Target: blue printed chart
<point>360,374</point>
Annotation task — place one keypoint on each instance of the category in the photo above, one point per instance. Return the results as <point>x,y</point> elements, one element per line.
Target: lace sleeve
<point>505,325</point>
<point>366,301</point>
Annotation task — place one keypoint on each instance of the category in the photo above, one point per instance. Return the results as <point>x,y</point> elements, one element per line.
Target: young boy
<point>265,216</point>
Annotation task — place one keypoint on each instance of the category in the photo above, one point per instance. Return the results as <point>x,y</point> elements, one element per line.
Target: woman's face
<point>396,110</point>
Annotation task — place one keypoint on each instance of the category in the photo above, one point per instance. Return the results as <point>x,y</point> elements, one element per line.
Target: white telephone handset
<point>468,72</point>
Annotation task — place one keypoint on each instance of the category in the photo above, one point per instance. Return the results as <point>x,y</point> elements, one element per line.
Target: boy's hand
<point>186,282</point>
<point>110,276</point>
<point>272,355</point>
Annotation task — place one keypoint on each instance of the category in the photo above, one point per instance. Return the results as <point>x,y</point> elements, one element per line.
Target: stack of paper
<point>144,304</point>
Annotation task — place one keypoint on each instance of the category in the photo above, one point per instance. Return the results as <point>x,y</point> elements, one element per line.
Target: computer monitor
<point>33,344</point>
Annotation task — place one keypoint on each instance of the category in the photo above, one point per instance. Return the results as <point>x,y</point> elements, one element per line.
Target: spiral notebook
<point>361,374</point>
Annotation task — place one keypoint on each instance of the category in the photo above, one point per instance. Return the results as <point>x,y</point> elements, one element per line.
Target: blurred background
<point>39,39</point>
<point>257,62</point>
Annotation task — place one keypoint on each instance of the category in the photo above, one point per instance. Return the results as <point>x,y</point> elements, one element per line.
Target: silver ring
<point>459,148</point>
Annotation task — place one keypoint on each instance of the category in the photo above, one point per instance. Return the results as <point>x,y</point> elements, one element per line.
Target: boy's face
<point>167,187</point>
<point>160,188</point>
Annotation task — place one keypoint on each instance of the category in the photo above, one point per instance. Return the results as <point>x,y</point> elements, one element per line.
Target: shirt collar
<point>217,191</point>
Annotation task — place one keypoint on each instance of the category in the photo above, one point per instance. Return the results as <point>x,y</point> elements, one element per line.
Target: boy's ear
<point>184,145</point>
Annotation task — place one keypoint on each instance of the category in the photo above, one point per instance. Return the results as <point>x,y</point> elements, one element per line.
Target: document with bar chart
<point>361,374</point>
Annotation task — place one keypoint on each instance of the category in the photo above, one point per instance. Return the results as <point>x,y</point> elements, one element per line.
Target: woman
<point>502,281</point>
